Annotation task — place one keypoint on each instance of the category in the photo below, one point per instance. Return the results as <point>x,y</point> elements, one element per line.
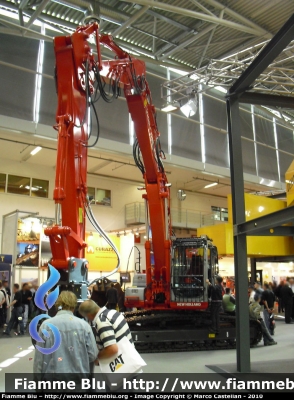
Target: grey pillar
<point>240,248</point>
<point>253,270</point>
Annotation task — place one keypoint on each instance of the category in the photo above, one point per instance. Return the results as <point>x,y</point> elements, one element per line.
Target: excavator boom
<point>174,294</point>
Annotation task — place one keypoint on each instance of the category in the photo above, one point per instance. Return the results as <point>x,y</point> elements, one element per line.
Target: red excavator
<point>170,300</point>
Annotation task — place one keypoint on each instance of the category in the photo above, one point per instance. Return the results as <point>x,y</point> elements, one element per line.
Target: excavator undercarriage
<point>157,331</point>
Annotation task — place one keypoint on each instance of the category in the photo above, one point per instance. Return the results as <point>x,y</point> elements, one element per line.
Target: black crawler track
<point>158,331</point>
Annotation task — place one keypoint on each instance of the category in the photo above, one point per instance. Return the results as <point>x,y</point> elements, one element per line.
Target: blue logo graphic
<point>40,303</point>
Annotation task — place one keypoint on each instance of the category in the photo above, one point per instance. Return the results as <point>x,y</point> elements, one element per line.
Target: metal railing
<point>189,219</point>
<point>134,213</point>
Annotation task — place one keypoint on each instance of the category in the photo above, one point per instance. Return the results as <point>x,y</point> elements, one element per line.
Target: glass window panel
<point>267,163</point>
<point>113,121</point>
<point>224,215</point>
<point>161,118</point>
<point>186,138</point>
<point>215,113</point>
<point>20,105</point>
<point>216,211</point>
<point>49,59</point>
<point>220,214</point>
<point>18,185</point>
<point>155,88</point>
<point>246,124</point>
<point>264,130</point>
<point>285,138</point>
<point>48,103</point>
<point>91,193</point>
<point>23,52</point>
<point>39,188</point>
<point>103,197</point>
<point>248,156</point>
<point>2,182</point>
<point>216,147</point>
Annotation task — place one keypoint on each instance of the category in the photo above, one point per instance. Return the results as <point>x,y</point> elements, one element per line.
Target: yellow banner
<point>100,255</point>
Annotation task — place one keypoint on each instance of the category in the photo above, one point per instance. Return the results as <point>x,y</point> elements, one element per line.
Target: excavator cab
<point>193,261</point>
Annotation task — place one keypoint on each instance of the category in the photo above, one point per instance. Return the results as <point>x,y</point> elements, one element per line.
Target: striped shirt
<point>111,327</point>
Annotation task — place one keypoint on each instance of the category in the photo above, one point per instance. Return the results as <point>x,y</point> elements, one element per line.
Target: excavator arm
<point>79,75</point>
<point>171,317</point>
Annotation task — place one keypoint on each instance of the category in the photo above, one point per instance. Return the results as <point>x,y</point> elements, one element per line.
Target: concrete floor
<point>279,356</point>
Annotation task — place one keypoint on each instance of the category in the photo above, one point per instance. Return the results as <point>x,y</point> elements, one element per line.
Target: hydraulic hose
<point>103,234</point>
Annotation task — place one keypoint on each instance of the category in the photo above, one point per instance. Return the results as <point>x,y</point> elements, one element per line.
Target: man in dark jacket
<point>215,292</point>
<point>112,298</point>
<point>279,296</point>
<point>16,314</point>
<point>286,295</point>
<point>268,300</point>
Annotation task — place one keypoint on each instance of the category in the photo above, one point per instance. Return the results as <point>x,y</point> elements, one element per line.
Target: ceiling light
<point>210,185</point>
<point>36,150</point>
<point>32,188</point>
<point>170,107</point>
<point>189,109</point>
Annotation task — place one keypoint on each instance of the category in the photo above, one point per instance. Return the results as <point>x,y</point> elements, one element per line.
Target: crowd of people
<point>261,301</point>
<point>283,294</point>
<point>23,308</point>
<point>21,303</point>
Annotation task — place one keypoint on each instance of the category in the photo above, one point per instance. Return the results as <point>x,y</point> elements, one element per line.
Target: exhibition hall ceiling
<point>181,33</point>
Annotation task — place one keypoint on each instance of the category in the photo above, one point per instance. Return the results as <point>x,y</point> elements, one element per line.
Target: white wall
<point>197,201</point>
